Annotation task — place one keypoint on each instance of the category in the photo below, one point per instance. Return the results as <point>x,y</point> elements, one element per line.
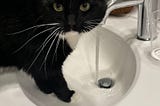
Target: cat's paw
<point>47,91</point>
<point>65,96</point>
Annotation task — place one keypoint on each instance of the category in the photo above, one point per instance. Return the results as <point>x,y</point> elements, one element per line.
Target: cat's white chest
<point>72,38</point>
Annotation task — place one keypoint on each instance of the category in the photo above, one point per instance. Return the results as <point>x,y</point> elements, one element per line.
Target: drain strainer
<point>105,83</point>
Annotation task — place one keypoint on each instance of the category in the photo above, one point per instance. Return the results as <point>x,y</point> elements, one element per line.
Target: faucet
<point>143,9</point>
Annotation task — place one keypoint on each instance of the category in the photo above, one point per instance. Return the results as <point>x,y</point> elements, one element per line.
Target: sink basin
<point>116,61</point>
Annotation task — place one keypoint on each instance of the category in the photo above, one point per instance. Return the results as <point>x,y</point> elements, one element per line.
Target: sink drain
<point>156,54</point>
<point>105,83</point>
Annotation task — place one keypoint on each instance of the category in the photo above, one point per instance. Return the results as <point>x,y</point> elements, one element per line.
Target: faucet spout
<point>115,4</point>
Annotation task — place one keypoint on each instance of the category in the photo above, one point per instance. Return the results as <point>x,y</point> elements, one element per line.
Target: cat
<point>35,37</point>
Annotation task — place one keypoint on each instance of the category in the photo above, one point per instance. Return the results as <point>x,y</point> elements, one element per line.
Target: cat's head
<point>73,15</point>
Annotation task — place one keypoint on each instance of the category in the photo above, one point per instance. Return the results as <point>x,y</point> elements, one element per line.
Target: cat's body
<point>42,49</point>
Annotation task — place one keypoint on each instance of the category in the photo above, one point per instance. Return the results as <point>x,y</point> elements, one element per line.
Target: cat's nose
<point>71,20</point>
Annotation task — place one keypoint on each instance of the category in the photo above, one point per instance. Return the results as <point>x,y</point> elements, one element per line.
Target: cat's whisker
<point>44,63</point>
<point>63,39</point>
<point>94,20</point>
<point>45,70</point>
<point>91,27</point>
<point>36,26</point>
<point>95,23</point>
<point>41,50</point>
<point>32,39</point>
<point>84,29</point>
<point>49,49</point>
<point>92,23</point>
<point>87,28</point>
<point>44,43</point>
<point>57,44</point>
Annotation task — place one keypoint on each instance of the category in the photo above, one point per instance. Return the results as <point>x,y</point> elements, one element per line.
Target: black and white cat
<point>37,36</point>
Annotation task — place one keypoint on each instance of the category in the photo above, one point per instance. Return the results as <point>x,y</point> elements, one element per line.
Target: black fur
<point>16,15</point>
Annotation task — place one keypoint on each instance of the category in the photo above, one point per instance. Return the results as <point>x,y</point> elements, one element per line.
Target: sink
<point>116,61</point>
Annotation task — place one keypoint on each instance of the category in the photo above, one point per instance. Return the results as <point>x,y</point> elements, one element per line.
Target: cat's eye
<point>85,7</point>
<point>58,7</point>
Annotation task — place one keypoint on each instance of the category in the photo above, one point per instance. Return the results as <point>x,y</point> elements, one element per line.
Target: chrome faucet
<point>142,33</point>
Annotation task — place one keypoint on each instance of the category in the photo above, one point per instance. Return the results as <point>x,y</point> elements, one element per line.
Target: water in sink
<point>116,61</point>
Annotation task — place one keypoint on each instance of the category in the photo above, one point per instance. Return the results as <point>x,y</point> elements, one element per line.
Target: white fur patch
<point>72,38</point>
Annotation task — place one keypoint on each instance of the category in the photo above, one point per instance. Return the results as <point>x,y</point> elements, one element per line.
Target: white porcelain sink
<point>117,61</point>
